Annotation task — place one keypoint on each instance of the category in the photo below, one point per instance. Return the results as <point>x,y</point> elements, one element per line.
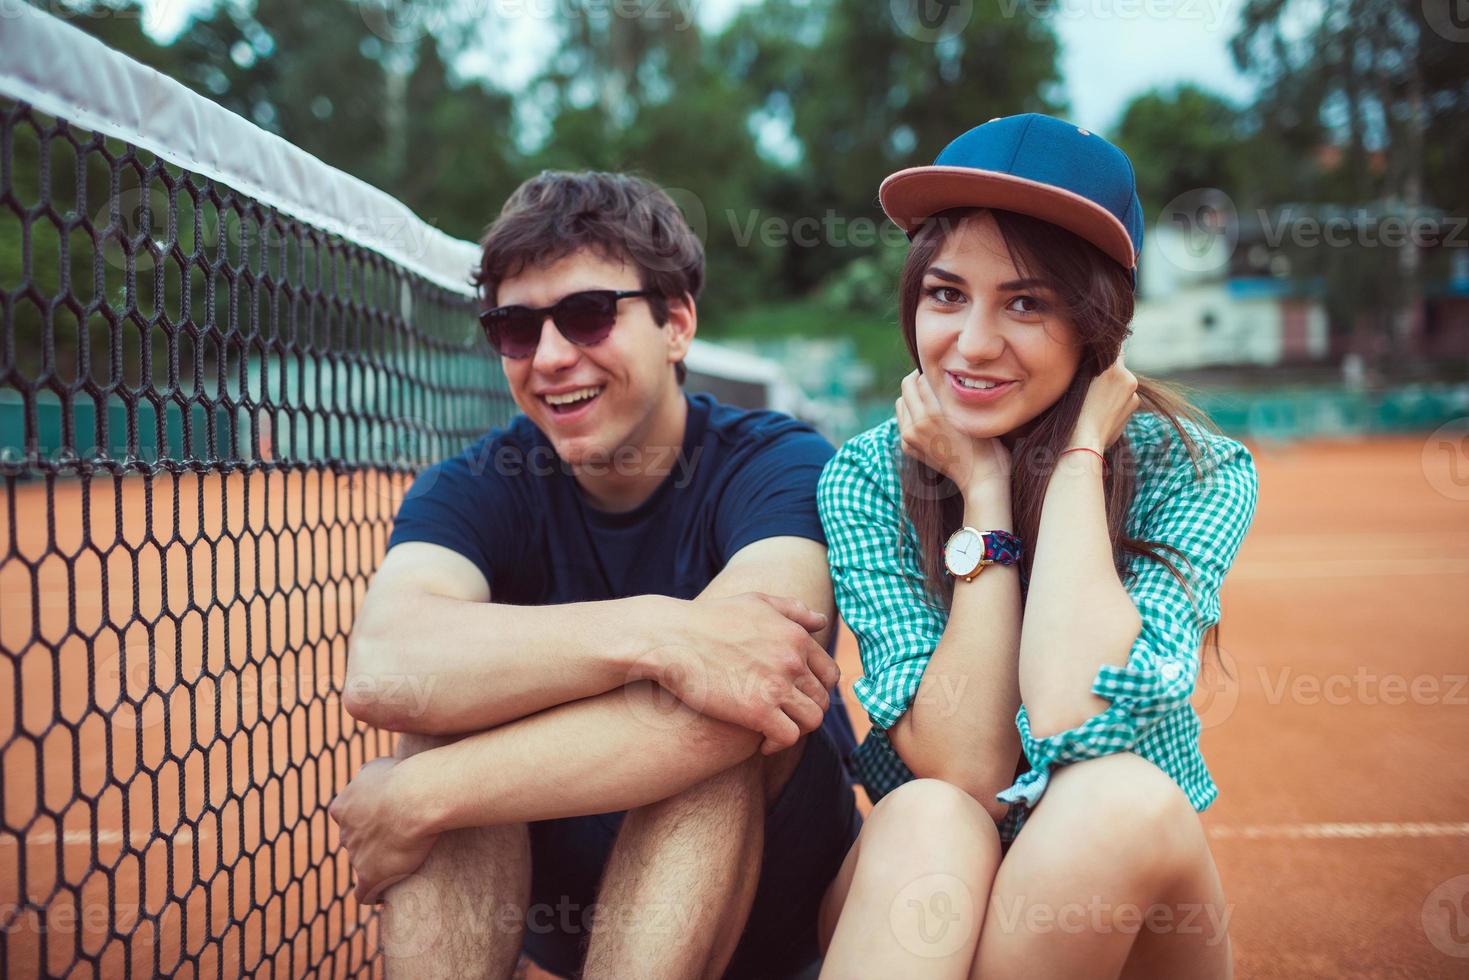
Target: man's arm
<point>610,752</point>
<point>794,567</point>
<point>613,751</point>
<point>431,654</point>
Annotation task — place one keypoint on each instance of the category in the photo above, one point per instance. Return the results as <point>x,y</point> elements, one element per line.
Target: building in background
<point>817,380</point>
<point>1228,291</point>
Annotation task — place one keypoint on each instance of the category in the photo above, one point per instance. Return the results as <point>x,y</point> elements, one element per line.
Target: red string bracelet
<point>1085,449</point>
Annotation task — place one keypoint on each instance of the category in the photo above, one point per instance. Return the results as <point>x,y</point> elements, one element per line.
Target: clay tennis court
<point>1338,743</point>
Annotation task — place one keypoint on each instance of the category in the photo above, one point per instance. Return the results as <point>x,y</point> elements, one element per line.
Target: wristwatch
<point>968,552</point>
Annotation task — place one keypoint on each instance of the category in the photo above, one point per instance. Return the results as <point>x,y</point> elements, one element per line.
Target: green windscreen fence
<point>209,412</point>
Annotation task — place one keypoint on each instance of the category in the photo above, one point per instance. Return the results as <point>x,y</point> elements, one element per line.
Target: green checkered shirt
<point>873,552</point>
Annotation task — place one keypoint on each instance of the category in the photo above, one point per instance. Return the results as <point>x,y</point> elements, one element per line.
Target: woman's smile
<point>974,391</point>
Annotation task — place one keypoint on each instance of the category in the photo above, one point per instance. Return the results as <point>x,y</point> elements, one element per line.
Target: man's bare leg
<point>461,914</point>
<point>538,779</point>
<point>682,875</point>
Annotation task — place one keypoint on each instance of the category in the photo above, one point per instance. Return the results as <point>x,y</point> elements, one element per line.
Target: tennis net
<point>222,363</point>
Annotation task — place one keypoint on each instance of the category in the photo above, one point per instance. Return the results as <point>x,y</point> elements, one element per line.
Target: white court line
<point>1331,831</point>
<point>1400,540</point>
<point>1348,568</point>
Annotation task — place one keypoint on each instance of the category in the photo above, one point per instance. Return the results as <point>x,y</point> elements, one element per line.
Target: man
<point>586,625</point>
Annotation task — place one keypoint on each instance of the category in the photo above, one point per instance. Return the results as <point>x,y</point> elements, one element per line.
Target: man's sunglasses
<point>584,318</point>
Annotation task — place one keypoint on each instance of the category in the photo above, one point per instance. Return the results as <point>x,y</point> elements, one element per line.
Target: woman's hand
<point>930,437</point>
<point>1110,401</point>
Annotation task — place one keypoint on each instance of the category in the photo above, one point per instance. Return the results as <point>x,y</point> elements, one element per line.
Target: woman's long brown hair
<point>1095,294</point>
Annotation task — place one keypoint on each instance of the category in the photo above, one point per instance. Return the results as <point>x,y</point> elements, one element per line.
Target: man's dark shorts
<point>808,831</point>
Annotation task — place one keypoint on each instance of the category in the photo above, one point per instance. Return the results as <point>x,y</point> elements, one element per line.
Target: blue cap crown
<point>1052,151</point>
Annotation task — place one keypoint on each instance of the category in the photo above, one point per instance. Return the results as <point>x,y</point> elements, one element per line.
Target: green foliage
<point>862,99</point>
<point>859,301</point>
<point>1181,139</point>
<point>320,77</point>
<point>792,113</point>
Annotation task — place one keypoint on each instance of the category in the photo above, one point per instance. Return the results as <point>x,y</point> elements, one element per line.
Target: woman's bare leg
<point>910,895</point>
<point>1111,873</point>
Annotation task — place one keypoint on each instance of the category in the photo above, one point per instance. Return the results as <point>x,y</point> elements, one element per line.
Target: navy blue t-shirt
<point>510,505</point>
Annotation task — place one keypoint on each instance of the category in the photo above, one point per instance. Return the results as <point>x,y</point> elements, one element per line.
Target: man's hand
<point>749,660</point>
<point>382,847</point>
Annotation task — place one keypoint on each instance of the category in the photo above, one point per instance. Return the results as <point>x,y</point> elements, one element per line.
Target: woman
<point>1029,554</point>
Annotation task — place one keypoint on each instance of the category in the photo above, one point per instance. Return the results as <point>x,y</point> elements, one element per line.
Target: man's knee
<point>411,743</point>
<point>778,768</point>
<point>766,774</point>
<point>462,913</point>
<point>507,845</point>
<point>470,874</point>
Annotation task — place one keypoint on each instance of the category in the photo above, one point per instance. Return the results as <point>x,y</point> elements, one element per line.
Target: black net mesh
<point>209,412</point>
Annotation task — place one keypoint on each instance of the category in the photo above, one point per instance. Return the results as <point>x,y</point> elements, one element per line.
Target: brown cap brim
<point>910,196</point>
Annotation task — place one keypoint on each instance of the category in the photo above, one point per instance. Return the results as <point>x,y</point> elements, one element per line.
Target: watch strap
<point>1001,547</point>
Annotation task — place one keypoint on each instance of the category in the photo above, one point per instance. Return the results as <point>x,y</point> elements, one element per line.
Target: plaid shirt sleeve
<point>876,576</point>
<point>1205,516</point>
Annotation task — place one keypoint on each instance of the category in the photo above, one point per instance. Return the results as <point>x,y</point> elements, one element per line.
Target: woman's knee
<point>931,818</point>
<point>1126,806</point>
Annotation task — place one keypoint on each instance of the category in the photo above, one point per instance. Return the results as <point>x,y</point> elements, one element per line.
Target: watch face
<point>963,552</point>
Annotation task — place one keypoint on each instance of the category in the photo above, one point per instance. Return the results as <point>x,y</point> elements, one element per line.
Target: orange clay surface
<point>1340,742</point>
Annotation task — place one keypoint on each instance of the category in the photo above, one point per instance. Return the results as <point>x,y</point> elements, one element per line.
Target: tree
<point>325,77</point>
<point>647,94</point>
<point>861,96</point>
<point>1179,140</point>
<point>1384,82</point>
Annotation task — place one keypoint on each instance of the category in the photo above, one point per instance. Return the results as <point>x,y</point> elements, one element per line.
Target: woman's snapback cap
<point>1030,164</point>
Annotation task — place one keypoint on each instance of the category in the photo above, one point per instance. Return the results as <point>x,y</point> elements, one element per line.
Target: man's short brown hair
<point>620,217</point>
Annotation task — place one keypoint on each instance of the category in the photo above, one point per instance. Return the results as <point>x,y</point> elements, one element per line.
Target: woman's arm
<point>960,727</point>
<point>1102,685</point>
<point>943,688</point>
<point>1204,515</point>
<point>1077,614</point>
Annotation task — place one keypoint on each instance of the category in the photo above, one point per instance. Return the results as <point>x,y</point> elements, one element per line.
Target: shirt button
<point>1171,672</point>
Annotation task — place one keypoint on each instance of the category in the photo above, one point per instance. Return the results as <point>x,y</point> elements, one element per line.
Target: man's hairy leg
<point>461,914</point>
<point>682,875</point>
